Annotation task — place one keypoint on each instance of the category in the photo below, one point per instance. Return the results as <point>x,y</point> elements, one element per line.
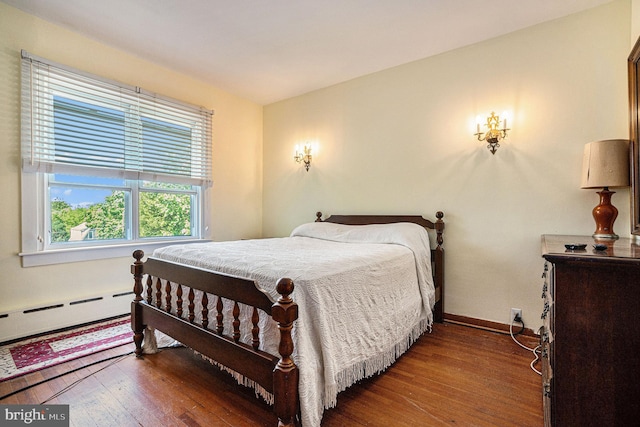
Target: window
<point>106,166</point>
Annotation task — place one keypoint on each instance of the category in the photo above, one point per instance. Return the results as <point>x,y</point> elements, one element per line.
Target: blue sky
<point>82,196</point>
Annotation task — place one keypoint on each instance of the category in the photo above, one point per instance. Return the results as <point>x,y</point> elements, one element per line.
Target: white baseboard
<point>36,320</point>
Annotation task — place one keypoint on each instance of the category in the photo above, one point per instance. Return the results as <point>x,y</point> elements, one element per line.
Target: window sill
<point>62,256</point>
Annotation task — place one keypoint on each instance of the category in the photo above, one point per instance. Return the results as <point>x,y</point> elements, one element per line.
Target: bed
<point>366,287</point>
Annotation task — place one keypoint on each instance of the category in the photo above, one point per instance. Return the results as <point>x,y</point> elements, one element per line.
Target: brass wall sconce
<point>303,156</point>
<point>494,134</point>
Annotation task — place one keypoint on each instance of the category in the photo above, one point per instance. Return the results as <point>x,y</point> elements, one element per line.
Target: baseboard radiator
<point>36,320</point>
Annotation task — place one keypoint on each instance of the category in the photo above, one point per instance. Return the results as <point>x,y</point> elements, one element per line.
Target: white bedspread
<point>365,294</point>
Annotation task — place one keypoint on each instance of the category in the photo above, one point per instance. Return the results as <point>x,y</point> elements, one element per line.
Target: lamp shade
<point>606,164</point>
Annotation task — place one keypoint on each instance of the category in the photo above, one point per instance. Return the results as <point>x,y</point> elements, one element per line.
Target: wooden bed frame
<point>277,374</point>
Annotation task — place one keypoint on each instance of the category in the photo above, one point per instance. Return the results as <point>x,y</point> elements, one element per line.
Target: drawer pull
<point>546,389</point>
<point>545,311</point>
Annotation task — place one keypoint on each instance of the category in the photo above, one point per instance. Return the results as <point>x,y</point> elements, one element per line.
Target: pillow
<point>413,236</point>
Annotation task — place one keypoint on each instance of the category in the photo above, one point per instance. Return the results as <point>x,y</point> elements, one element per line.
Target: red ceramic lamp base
<point>605,215</point>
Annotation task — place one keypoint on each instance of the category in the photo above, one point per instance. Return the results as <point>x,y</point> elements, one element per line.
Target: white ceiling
<point>269,50</point>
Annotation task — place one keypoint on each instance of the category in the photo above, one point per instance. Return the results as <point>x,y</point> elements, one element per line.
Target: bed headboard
<point>437,254</point>
<point>438,226</point>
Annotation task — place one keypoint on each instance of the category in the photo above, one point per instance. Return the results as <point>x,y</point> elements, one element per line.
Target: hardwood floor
<point>455,375</point>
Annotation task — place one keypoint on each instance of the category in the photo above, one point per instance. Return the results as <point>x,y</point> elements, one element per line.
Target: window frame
<point>128,219</point>
<point>35,218</point>
<point>37,248</point>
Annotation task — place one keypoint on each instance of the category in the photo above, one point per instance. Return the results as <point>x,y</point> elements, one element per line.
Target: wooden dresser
<point>591,333</point>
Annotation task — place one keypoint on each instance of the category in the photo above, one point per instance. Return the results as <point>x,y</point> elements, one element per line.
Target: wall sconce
<point>493,135</point>
<point>303,156</point>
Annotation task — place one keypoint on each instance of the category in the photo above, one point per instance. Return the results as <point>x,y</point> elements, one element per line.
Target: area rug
<point>33,354</point>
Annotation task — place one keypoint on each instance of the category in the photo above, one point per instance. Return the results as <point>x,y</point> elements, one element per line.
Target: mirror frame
<point>634,136</point>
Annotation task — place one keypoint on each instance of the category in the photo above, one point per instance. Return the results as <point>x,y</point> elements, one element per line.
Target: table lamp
<point>605,164</point>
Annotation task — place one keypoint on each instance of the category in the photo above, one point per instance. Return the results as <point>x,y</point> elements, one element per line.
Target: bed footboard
<point>278,375</point>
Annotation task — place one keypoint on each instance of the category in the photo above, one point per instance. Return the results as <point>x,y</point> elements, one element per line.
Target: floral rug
<point>33,354</point>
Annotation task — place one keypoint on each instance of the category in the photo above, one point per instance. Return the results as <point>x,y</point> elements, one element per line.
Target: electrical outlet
<point>515,312</point>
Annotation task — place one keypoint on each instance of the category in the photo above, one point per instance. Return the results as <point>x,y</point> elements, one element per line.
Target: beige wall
<point>237,156</point>
<point>400,141</point>
<point>635,21</point>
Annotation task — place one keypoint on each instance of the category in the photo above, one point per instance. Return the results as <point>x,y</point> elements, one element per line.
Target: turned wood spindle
<point>167,289</point>
<point>179,301</point>
<point>439,227</point>
<point>158,293</point>
<point>149,289</point>
<point>236,321</point>
<point>136,270</point>
<point>136,315</point>
<point>255,331</point>
<point>219,316</point>
<point>205,310</point>
<point>191,305</point>
<point>285,374</point>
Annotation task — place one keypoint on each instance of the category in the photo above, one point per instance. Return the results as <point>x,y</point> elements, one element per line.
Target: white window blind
<point>75,123</point>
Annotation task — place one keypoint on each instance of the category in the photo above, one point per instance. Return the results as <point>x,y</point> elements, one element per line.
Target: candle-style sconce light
<point>304,156</point>
<point>494,133</point>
